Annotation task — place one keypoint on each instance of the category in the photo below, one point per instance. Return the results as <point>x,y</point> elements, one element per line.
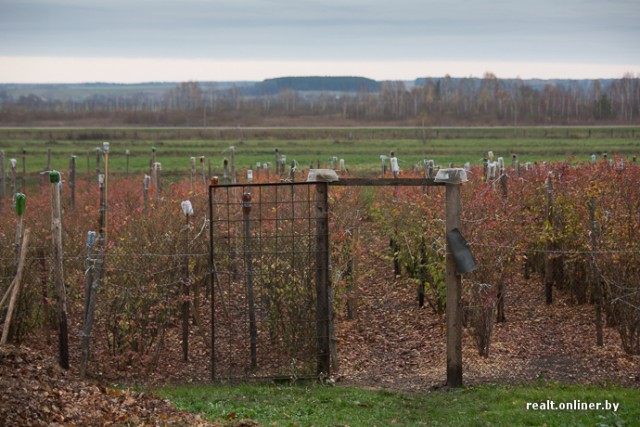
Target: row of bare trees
<point>442,101</point>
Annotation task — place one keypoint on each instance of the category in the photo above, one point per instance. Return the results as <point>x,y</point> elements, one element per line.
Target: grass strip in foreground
<point>315,405</point>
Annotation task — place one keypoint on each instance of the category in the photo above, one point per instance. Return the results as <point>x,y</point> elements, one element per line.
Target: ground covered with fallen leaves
<point>35,391</point>
<point>390,343</point>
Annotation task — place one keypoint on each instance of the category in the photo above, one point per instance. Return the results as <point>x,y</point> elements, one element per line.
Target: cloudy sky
<point>179,40</point>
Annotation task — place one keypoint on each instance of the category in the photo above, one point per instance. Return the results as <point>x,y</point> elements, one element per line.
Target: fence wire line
<point>110,255</point>
<point>557,251</point>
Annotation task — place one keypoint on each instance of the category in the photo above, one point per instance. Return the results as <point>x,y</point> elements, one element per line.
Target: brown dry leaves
<point>34,391</point>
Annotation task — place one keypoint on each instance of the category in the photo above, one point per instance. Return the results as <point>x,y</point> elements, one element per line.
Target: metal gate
<point>269,258</point>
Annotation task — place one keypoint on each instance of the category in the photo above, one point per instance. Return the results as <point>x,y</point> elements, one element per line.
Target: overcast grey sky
<point>145,40</point>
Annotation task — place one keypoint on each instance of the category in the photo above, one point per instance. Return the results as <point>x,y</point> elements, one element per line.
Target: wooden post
<point>187,210</point>
<point>24,169</point>
<point>98,156</point>
<point>276,161</point>
<point>92,283</point>
<point>548,261</point>
<point>597,282</point>
<point>225,171</point>
<point>485,167</point>
<point>323,283</point>
<point>203,172</point>
<point>454,292</point>
<point>48,166</point>
<point>127,153</point>
<point>158,179</point>
<point>213,277</point>
<point>145,192</point>
<point>192,170</point>
<point>395,247</point>
<point>105,149</point>
<point>13,180</point>
<point>15,284</point>
<point>503,182</point>
<point>94,277</point>
<point>72,180</point>
<point>292,172</point>
<point>248,256</point>
<point>153,185</point>
<point>91,240</point>
<point>20,202</point>
<point>58,273</point>
<point>233,164</point>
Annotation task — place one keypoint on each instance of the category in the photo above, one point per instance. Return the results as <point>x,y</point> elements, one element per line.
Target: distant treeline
<point>442,101</point>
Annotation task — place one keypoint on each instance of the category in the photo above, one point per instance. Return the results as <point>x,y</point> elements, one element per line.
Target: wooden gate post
<point>322,279</point>
<point>454,291</point>
<point>58,275</point>
<point>248,254</point>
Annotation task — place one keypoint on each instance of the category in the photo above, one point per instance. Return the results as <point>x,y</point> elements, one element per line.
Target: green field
<point>360,147</point>
<point>315,405</point>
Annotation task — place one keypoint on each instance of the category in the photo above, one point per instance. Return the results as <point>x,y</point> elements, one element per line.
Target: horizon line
<point>118,70</point>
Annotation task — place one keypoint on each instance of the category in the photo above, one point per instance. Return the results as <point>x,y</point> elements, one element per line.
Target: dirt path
<point>393,343</point>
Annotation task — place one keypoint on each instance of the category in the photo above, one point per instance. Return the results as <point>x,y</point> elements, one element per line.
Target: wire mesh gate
<point>269,259</point>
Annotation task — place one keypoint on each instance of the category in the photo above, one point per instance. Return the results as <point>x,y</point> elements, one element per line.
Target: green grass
<point>315,405</point>
<point>360,147</point>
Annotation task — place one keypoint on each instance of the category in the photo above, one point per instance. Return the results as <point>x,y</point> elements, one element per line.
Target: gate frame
<point>453,313</point>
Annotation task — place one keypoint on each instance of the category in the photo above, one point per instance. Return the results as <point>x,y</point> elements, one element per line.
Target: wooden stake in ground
<point>48,166</point>
<point>158,179</point>
<point>14,164</point>
<point>20,201</point>
<point>94,274</point>
<point>233,164</point>
<point>187,210</point>
<point>152,171</point>
<point>253,331</point>
<point>203,172</point>
<point>454,293</point>
<point>225,171</point>
<point>15,285</point>
<point>192,163</point>
<point>20,204</point>
<point>98,155</point>
<point>24,169</point>
<point>323,281</point>
<point>105,198</point>
<point>145,191</point>
<point>58,273</point>
<point>72,180</point>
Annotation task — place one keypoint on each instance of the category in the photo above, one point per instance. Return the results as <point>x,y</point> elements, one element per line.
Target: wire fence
<point>270,292</point>
<point>556,277</point>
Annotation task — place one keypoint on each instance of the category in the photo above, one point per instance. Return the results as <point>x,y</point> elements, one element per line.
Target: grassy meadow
<point>359,147</point>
